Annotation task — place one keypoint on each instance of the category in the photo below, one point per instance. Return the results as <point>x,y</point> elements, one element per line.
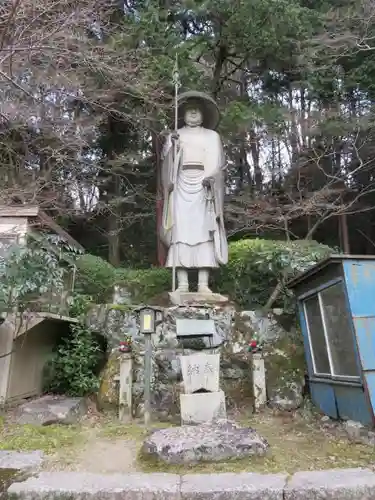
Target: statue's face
<point>193,116</point>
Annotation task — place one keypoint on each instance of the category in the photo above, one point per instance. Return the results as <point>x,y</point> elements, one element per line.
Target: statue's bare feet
<point>204,289</point>
<point>182,289</point>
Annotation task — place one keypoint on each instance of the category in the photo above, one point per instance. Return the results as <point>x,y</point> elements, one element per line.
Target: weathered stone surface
<point>116,322</point>
<point>336,484</point>
<point>108,394</point>
<point>21,461</point>
<point>234,330</point>
<point>285,368</point>
<point>221,314</point>
<point>204,407</point>
<point>229,486</point>
<point>168,362</point>
<point>359,433</point>
<point>51,410</point>
<point>73,485</point>
<point>265,327</point>
<point>204,443</point>
<point>287,396</point>
<point>283,353</point>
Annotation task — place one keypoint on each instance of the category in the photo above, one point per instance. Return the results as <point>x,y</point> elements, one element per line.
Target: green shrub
<point>80,304</point>
<point>254,269</point>
<point>256,266</point>
<point>144,284</point>
<point>95,277</point>
<point>73,369</point>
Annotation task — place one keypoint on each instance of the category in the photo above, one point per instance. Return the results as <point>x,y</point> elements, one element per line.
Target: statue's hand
<point>207,181</point>
<point>170,187</point>
<point>175,136</point>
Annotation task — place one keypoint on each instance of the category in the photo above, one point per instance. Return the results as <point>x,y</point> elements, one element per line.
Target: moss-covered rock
<point>285,372</point>
<point>108,394</point>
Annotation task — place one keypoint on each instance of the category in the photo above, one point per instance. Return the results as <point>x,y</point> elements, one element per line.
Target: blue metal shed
<point>336,302</point>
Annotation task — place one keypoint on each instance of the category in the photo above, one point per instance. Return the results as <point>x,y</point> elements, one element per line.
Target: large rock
<point>234,330</point>
<point>287,397</point>
<point>215,442</point>
<point>116,321</point>
<point>285,369</point>
<point>267,327</point>
<point>50,409</point>
<point>108,394</point>
<point>358,433</point>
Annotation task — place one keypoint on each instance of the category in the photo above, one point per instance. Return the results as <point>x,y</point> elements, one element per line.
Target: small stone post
<point>125,393</point>
<point>259,381</point>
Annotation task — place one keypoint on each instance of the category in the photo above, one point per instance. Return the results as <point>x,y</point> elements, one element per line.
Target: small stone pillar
<point>125,389</point>
<point>259,381</point>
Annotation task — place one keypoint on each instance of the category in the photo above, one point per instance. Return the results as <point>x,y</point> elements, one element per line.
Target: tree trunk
<point>114,224</point>
<point>161,251</point>
<point>344,233</point>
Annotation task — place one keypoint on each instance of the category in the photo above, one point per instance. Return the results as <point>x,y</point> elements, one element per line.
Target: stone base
<point>188,298</point>
<point>220,441</point>
<point>202,407</point>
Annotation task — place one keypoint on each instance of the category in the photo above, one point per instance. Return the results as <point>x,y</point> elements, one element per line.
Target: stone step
<point>339,484</point>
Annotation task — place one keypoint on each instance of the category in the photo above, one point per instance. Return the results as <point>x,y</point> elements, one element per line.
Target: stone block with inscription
<point>202,400</point>
<point>200,372</point>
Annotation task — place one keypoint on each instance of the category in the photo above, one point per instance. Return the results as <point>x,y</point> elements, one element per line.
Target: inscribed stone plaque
<point>200,371</point>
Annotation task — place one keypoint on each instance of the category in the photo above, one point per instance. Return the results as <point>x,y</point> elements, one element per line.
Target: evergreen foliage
<point>255,267</point>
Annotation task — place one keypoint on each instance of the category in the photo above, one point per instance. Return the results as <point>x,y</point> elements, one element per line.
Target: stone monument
<point>193,180</point>
<point>202,400</point>
<point>192,228</point>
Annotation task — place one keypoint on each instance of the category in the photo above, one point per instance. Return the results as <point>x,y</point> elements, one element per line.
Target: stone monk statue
<point>193,190</point>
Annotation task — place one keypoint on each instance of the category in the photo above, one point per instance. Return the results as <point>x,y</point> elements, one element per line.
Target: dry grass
<point>30,437</point>
<point>133,430</point>
<point>296,443</point>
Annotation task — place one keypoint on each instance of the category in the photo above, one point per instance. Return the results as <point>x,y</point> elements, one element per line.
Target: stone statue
<point>193,188</point>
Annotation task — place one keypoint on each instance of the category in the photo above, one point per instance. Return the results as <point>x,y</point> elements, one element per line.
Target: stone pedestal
<point>197,298</point>
<point>202,407</point>
<point>202,400</point>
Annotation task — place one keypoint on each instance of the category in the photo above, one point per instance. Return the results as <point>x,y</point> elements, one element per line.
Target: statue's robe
<point>193,215</point>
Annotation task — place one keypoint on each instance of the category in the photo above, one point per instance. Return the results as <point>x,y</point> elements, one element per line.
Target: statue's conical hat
<point>208,107</point>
